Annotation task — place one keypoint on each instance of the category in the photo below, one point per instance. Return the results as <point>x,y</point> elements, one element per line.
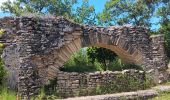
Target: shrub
<point>118,65</point>
<point>79,63</point>
<point>2,70</point>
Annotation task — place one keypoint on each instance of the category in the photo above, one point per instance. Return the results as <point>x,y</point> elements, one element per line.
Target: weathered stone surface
<point>137,95</point>
<point>162,88</point>
<point>73,82</point>
<point>54,39</point>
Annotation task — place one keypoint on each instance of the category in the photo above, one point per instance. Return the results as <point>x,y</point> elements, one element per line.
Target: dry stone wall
<point>159,56</point>
<point>36,47</point>
<point>81,84</point>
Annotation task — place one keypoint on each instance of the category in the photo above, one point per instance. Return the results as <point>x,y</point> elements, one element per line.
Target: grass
<point>7,95</point>
<point>163,96</point>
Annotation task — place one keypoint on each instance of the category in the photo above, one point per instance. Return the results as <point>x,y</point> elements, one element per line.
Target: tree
<point>84,14</point>
<point>165,29</point>
<point>164,13</point>
<point>101,55</point>
<point>135,12</point>
<point>54,7</point>
<point>126,12</point>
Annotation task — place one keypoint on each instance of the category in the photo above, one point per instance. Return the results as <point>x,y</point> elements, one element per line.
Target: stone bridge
<point>35,48</point>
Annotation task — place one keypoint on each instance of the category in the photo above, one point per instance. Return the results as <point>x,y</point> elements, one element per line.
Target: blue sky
<point>98,4</point>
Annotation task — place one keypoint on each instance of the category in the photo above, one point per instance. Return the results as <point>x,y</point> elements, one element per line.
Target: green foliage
<point>2,72</point>
<point>50,89</point>
<point>85,14</point>
<point>81,14</point>
<point>164,10</point>
<point>162,96</point>
<point>126,12</point>
<point>101,55</point>
<point>41,96</point>
<point>94,59</point>
<point>79,63</point>
<point>56,7</point>
<point>128,83</point>
<point>2,69</point>
<point>6,94</point>
<point>164,13</point>
<point>165,29</point>
<point>119,65</point>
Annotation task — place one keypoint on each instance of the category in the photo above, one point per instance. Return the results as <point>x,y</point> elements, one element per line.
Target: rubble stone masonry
<point>74,84</point>
<point>36,47</point>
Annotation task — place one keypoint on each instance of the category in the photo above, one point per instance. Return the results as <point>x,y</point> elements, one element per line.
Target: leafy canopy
<point>101,55</point>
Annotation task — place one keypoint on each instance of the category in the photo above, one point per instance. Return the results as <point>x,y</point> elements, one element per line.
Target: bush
<point>165,29</point>
<point>79,63</point>
<point>118,65</point>
<point>2,70</point>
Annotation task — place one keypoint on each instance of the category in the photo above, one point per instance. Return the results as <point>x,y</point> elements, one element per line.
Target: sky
<point>1,13</point>
<point>98,4</point>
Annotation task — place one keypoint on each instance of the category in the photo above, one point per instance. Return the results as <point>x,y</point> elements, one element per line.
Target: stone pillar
<point>29,82</point>
<point>159,57</point>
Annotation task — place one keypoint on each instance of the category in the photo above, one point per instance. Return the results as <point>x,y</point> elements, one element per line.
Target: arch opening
<point>88,59</point>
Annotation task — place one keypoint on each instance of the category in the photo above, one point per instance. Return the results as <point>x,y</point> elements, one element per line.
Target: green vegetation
<point>6,94</point>
<point>79,63</point>
<point>96,59</point>
<point>119,65</point>
<point>162,96</point>
<point>165,29</point>
<point>2,73</point>
<point>101,55</point>
<point>2,69</point>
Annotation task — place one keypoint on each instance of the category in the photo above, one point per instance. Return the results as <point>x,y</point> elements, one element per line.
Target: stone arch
<point>37,47</point>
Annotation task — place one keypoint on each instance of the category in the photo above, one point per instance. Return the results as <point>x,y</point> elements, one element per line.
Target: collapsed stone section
<point>39,46</point>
